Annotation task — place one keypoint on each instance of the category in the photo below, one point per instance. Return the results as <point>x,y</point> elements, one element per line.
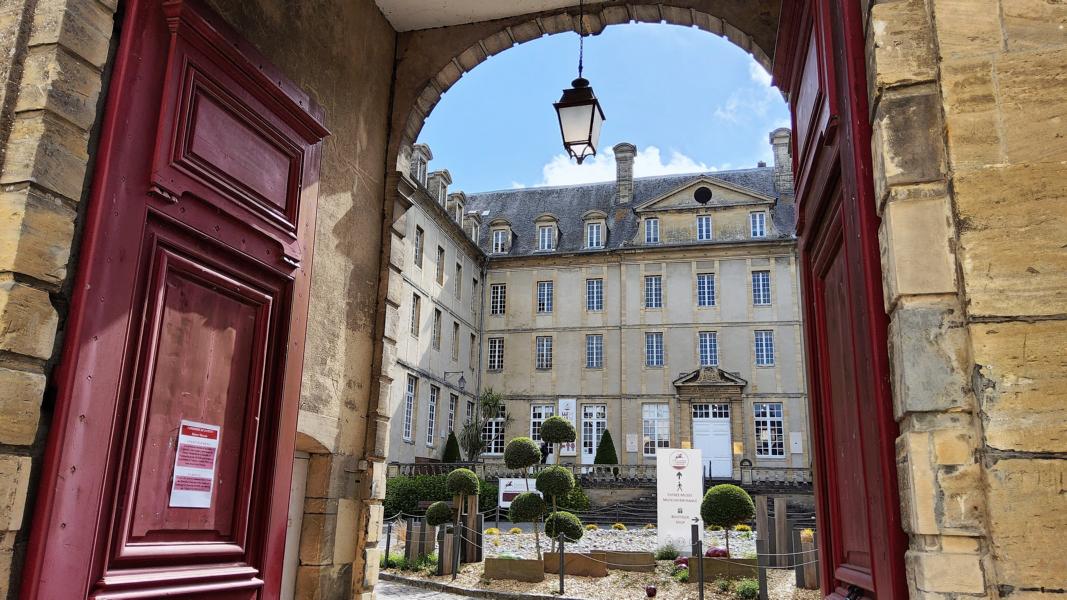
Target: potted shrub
<point>555,482</point>
<point>727,506</point>
<point>527,507</point>
<point>522,453</point>
<point>590,564</point>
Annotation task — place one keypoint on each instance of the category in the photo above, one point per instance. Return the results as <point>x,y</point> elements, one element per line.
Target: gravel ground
<point>742,545</point>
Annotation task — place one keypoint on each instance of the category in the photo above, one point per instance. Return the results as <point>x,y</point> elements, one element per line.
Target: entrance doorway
<point>711,435</point>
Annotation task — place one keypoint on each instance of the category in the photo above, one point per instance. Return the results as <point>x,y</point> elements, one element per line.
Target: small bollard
<point>388,540</point>
<point>456,543</point>
<point>561,563</point>
<point>698,554</point>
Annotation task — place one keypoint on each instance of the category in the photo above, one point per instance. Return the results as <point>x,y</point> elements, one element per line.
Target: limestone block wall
<point>967,105</point>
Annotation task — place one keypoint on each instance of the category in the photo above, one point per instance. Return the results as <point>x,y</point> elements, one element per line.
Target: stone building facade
<point>967,101</point>
<point>605,301</point>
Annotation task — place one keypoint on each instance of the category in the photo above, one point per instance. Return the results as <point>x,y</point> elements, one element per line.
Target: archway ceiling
<point>410,15</point>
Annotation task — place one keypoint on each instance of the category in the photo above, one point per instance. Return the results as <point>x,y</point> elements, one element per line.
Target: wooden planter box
<point>515,569</point>
<point>722,568</point>
<point>619,560</point>
<point>586,564</point>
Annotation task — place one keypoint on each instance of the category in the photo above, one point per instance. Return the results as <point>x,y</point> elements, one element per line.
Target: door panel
<point>712,436</point>
<point>820,62</point>
<point>190,305</point>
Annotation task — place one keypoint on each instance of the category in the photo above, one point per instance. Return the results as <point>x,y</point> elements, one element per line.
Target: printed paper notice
<point>194,465</point>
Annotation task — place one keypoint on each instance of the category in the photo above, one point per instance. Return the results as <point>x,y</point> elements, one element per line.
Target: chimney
<point>783,162</point>
<point>624,172</point>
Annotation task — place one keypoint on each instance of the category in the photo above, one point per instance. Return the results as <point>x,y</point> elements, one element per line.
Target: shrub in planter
<point>438,513</point>
<point>666,552</point>
<point>747,589</point>
<point>566,523</point>
<point>727,505</point>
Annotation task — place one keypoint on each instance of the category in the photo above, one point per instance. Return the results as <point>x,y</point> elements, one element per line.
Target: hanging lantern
<point>579,112</point>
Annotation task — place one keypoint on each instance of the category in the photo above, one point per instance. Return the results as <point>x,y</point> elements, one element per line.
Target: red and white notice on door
<point>194,465</point>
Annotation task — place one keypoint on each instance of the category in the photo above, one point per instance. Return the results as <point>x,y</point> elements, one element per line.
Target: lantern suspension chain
<point>581,35</point>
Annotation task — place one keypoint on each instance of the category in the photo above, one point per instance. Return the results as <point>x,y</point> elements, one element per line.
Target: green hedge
<point>405,493</point>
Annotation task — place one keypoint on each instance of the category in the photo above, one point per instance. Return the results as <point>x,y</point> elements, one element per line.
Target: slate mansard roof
<point>521,208</point>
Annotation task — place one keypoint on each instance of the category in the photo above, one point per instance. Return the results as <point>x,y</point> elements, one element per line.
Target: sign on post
<point>679,491</point>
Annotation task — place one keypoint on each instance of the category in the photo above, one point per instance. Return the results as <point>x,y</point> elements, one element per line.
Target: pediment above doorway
<point>709,376</point>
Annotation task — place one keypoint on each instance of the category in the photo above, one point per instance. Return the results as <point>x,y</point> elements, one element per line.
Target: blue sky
<point>689,100</point>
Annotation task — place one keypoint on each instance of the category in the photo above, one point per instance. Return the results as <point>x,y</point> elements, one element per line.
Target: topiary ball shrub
<point>522,453</point>
<point>527,507</point>
<point>462,482</point>
<point>555,481</point>
<point>566,523</point>
<point>726,505</point>
<point>438,513</point>
<point>557,430</point>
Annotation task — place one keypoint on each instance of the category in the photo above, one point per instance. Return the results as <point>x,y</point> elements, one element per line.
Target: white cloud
<point>515,185</point>
<point>561,170</point>
<point>758,74</point>
<point>750,101</point>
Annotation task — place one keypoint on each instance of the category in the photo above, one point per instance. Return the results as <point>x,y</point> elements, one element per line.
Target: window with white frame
<point>546,237</point>
<point>544,352</point>
<point>757,224</point>
<point>705,289</point>
<point>416,308</point>
<point>653,291</point>
<point>409,406</point>
<point>498,298</point>
<point>652,230</point>
<point>538,414</point>
<point>654,349</point>
<point>455,341</point>
<point>594,295</point>
<point>764,346</point>
<point>453,401</point>
<point>655,427</point>
<point>431,414</point>
<point>496,354</point>
<point>704,227</point>
<point>708,342</point>
<point>594,237</point>
<point>459,282</point>
<point>594,351</point>
<point>500,241</point>
<point>544,296</point>
<point>770,429</point>
<point>440,265</point>
<point>711,411</point>
<point>493,434</point>
<point>594,424</point>
<point>761,288</point>
<point>420,237</point>
<point>435,339</point>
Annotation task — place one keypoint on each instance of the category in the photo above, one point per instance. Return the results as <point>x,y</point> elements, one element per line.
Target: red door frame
<point>835,195</point>
<point>73,529</point>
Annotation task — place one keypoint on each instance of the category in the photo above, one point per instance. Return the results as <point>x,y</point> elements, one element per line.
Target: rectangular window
<point>655,427</point>
<point>770,429</point>
<point>544,352</point>
<point>653,291</point>
<point>538,414</point>
<point>544,296</point>
<point>455,341</point>
<point>704,227</point>
<point>435,339</point>
<point>440,266</point>
<point>546,237</point>
<point>493,434</point>
<point>470,410</point>
<point>474,352</point>
<point>453,401</point>
<point>496,354</point>
<point>594,351</point>
<point>705,289</point>
<point>708,342</point>
<point>654,349</point>
<point>757,222</point>
<point>593,237</point>
<point>474,297</point>
<point>594,424</point>
<point>459,281</point>
<point>409,405</point>
<point>431,414</point>
<point>594,294</point>
<point>761,288</point>
<point>419,238</point>
<point>765,348</point>
<point>651,231</point>
<point>500,241</point>
<point>416,308</point>
<point>498,298</point>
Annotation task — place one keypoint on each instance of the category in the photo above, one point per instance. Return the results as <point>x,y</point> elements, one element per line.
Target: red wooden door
<point>168,466</point>
<point>820,62</point>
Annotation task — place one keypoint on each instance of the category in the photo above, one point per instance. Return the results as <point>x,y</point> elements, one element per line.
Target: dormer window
<point>546,237</point>
<point>442,193</point>
<point>757,222</point>
<point>420,159</point>
<point>652,230</point>
<point>500,241</point>
<point>594,235</point>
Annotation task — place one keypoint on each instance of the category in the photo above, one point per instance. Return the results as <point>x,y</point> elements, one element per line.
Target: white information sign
<point>679,491</point>
<point>509,488</point>
<point>631,442</point>
<point>194,465</point>
<point>568,409</point>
